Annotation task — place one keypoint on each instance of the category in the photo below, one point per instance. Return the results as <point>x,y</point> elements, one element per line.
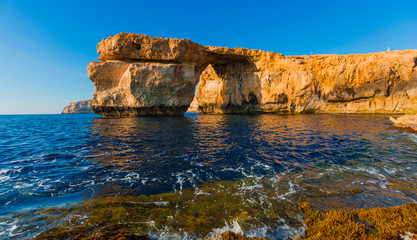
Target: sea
<point>196,176</point>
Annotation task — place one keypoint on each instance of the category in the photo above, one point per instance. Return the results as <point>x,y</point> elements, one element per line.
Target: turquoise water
<point>60,160</point>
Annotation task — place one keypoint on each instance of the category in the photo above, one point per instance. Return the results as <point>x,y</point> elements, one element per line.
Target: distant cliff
<point>140,75</point>
<point>79,107</point>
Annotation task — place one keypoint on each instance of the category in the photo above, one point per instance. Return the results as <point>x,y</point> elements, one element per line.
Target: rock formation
<point>193,106</point>
<point>79,107</point>
<point>140,75</point>
<point>406,122</point>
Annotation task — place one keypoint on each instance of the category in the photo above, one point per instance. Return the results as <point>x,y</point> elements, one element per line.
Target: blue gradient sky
<point>45,46</point>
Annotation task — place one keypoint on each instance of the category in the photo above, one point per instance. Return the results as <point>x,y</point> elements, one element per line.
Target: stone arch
<point>231,87</point>
<point>142,76</point>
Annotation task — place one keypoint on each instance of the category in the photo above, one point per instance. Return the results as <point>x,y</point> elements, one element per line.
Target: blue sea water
<point>56,160</point>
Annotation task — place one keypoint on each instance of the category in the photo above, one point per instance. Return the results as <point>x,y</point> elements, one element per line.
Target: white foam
<point>408,236</point>
<point>8,228</point>
<point>235,227</point>
<point>291,190</point>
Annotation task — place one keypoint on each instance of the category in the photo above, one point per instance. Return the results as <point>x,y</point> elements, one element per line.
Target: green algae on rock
<point>196,212</point>
<point>206,210</point>
<point>246,205</point>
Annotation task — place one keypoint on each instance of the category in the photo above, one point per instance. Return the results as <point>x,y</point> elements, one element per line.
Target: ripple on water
<point>57,159</point>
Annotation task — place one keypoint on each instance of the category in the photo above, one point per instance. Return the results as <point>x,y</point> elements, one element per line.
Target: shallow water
<point>271,162</point>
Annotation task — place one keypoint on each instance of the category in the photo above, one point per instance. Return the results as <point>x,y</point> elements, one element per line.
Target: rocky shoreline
<point>406,123</point>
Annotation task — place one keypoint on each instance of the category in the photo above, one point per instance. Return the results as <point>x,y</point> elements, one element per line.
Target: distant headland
<point>78,107</point>
<point>140,75</point>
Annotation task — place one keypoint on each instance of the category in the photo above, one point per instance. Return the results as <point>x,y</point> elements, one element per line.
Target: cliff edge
<point>140,75</point>
<point>79,107</point>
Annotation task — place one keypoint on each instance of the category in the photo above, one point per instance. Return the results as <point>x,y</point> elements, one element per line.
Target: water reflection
<point>273,162</point>
<point>154,155</point>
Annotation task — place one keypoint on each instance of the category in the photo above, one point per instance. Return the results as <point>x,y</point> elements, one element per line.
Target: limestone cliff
<point>79,107</point>
<point>193,106</point>
<point>140,75</point>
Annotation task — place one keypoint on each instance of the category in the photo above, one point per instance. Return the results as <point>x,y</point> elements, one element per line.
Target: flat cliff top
<point>133,46</point>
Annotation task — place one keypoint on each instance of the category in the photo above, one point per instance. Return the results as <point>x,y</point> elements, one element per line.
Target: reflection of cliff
<point>131,152</point>
<point>79,107</point>
<point>141,75</point>
<point>153,155</point>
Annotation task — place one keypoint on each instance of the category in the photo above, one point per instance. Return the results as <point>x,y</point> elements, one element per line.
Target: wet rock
<point>117,236</point>
<point>375,223</point>
<point>234,236</point>
<point>407,123</point>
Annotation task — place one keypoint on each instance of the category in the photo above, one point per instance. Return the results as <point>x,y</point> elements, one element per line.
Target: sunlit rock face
<point>78,107</point>
<point>383,82</point>
<point>142,88</point>
<point>406,122</point>
<point>140,75</point>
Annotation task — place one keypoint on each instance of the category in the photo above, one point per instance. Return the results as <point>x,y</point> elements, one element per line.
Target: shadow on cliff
<point>229,86</point>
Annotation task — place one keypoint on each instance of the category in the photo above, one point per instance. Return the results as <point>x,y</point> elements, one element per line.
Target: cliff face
<point>193,106</point>
<point>142,75</point>
<point>79,107</point>
<point>383,82</point>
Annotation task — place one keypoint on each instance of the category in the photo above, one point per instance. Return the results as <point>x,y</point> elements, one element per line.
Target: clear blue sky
<point>45,46</point>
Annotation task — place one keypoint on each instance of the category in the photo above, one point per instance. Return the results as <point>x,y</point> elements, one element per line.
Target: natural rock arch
<point>140,75</point>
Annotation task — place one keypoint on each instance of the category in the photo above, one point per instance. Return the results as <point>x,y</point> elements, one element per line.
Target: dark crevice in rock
<point>348,100</point>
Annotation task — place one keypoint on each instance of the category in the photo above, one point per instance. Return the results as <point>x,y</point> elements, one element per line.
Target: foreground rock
<point>79,107</point>
<point>375,223</point>
<point>140,75</point>
<point>406,122</point>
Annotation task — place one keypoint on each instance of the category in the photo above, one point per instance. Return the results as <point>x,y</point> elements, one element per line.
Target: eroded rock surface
<point>140,75</point>
<point>79,107</point>
<point>407,123</point>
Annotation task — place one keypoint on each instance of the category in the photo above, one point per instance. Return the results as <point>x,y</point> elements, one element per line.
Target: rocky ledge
<point>140,75</point>
<point>407,123</point>
<point>79,107</point>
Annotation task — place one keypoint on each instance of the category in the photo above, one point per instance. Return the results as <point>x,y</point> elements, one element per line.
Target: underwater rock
<point>234,236</point>
<point>140,75</point>
<point>79,107</point>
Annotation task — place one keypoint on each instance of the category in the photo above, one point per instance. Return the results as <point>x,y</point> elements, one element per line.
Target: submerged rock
<point>79,107</point>
<point>234,236</point>
<point>140,75</point>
